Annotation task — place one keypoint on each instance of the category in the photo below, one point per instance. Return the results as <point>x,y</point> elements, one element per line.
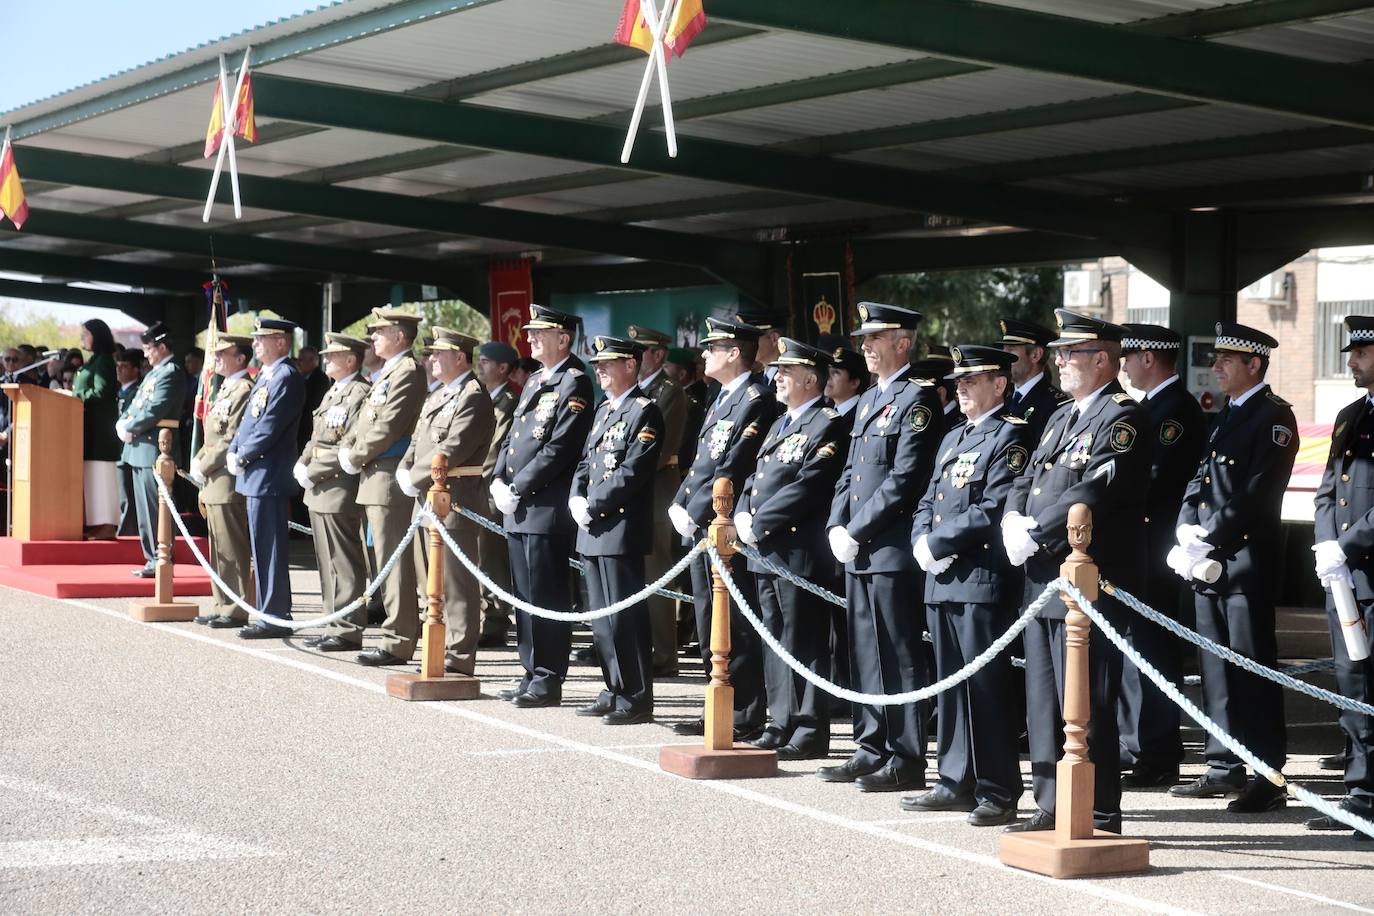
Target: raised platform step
<point>14,552</point>
<point>100,581</point>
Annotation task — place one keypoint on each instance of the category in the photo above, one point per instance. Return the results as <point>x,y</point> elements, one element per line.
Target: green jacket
<point>157,405</point>
<point>95,386</point>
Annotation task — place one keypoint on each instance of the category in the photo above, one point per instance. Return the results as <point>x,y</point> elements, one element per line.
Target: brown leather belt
<point>168,424</point>
<point>473,471</point>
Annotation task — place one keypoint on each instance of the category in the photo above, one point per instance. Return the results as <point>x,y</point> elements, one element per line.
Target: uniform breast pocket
<point>886,446</point>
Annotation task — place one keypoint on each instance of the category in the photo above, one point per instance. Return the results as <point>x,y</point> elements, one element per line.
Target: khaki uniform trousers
<point>231,554</point>
<point>339,556</point>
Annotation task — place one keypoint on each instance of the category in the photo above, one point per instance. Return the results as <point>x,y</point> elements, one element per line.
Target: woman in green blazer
<point>95,386</point>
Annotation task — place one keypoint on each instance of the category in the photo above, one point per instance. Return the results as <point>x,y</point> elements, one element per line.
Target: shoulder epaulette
<point>830,413</point>
<point>1276,399</point>
<point>1123,398</point>
<point>643,402</point>
<point>472,385</point>
<point>1060,396</point>
<point>753,392</point>
<point>922,383</point>
<point>575,372</point>
<point>1013,420</point>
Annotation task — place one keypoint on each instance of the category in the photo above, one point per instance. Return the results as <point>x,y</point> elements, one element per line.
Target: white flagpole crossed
<point>657,25</point>
<point>229,106</point>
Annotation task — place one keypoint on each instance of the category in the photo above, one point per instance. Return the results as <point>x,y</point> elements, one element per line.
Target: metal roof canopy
<point>413,141</point>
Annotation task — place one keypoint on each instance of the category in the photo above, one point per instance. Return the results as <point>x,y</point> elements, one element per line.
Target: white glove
<point>939,566</point>
<point>1180,563</point>
<point>123,432</point>
<point>346,462</point>
<point>1196,550</point>
<point>921,551</point>
<point>1190,534</point>
<point>404,482</point>
<point>844,547</point>
<point>682,522</point>
<point>302,476</point>
<point>577,508</point>
<point>231,461</point>
<point>1330,558</point>
<point>502,496</point>
<point>1340,574</point>
<point>1016,539</point>
<point>744,527</point>
<point>197,474</point>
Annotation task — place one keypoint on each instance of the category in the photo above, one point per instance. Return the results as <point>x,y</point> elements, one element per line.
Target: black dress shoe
<point>627,717</point>
<point>374,658</point>
<point>939,798</point>
<point>769,741</point>
<point>891,779</point>
<point>1208,787</point>
<point>510,693</point>
<point>336,644</point>
<point>792,752</point>
<point>1144,776</point>
<point>849,771</point>
<point>147,572</point>
<point>262,630</point>
<point>1259,796</point>
<point>694,728</point>
<point>991,814</point>
<point>748,734</point>
<point>594,709</point>
<point>1332,762</point>
<point>203,619</point>
<point>530,701</point>
<point>311,642</point>
<point>1040,820</point>
<point>230,623</point>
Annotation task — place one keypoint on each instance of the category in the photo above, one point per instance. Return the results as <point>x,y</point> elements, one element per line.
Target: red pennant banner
<point>512,291</point>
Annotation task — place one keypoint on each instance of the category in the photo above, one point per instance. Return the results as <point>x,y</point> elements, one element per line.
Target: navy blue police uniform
<point>1037,405</point>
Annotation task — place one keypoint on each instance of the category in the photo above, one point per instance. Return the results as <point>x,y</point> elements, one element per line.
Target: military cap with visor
<point>543,318</point>
<point>877,316</point>
<point>1141,337</point>
<point>1238,338</point>
<point>975,359</point>
<point>1075,328</point>
<point>796,353</point>
<point>1361,328</point>
<point>605,349</point>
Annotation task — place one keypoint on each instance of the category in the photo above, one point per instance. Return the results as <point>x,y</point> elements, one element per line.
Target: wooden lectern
<point>45,459</point>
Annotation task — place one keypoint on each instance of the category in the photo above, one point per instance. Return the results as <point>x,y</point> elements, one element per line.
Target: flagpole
<point>656,26</point>
<point>662,63</point>
<point>231,108</point>
<point>219,160</point>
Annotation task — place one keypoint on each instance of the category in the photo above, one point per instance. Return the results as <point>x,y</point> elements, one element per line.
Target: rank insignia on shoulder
<point>577,405</point>
<point>1276,399</point>
<point>576,373</point>
<point>1340,428</point>
<point>472,385</point>
<point>754,394</point>
<point>920,419</point>
<point>1282,436</point>
<point>921,383</point>
<point>1170,431</point>
<point>751,431</point>
<point>1017,458</point>
<point>827,450</point>
<point>1123,398</point>
<point>1013,420</point>
<point>647,435</point>
<point>830,413</point>
<point>1122,436</point>
<point>643,402</point>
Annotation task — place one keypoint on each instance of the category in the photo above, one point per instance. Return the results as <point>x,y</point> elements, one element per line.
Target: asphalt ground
<point>157,768</point>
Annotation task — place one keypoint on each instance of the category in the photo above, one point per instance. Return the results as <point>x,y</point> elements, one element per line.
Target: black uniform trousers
<point>1147,719</point>
<point>886,656</point>
<point>539,575</point>
<point>1356,681</point>
<point>267,518</point>
<point>624,642</point>
<point>746,661</point>
<point>1243,704</point>
<point>978,722</point>
<point>1044,641</point>
<point>801,622</point>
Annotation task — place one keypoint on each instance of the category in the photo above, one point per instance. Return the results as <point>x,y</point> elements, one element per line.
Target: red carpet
<point>93,569</point>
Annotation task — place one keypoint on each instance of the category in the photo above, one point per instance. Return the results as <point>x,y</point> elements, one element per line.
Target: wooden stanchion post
<point>164,608</point>
<point>1074,849</point>
<point>432,683</point>
<point>720,757</point>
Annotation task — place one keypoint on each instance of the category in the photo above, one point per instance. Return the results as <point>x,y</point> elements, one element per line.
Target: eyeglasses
<point>719,347</point>
<point>10,359</point>
<point>1066,355</point>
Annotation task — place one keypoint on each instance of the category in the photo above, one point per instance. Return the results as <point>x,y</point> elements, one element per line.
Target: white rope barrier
<point>754,556</point>
<point>368,592</point>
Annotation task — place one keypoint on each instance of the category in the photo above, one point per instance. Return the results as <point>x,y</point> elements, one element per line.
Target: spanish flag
<point>12,202</point>
<point>689,18</point>
<point>244,124</point>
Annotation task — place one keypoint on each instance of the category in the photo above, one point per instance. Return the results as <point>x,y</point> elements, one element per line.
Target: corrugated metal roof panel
<point>1244,168</point>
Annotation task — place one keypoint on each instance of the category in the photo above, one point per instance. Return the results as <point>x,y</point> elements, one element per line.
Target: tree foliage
<point>18,325</point>
<point>453,314</point>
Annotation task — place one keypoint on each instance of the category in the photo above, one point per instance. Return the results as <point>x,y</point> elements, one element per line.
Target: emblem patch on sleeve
<point>1017,458</point>
<point>1170,431</point>
<point>1122,436</point>
<point>1282,436</point>
<point>751,431</point>
<point>827,450</point>
<point>920,419</point>
<point>577,405</point>
<point>647,435</point>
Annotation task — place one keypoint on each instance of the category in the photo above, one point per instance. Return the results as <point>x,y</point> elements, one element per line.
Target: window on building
<point>1330,334</point>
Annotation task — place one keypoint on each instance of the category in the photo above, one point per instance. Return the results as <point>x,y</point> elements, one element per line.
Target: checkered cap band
<point>1362,335</point>
<point>1140,343</point>
<point>1242,345</point>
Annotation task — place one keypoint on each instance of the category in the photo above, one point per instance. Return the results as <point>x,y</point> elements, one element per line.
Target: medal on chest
<point>791,449</point>
<point>543,408</point>
<point>378,395</point>
<point>336,416</point>
<point>884,418</point>
<point>963,469</point>
<point>259,401</point>
<point>719,438</point>
<point>1078,448</point>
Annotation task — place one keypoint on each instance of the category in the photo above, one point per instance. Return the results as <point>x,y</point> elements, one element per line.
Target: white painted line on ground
<point>1087,888</point>
<point>123,850</point>
<point>1297,893</point>
<point>84,805</point>
<point>516,751</point>
<point>917,820</point>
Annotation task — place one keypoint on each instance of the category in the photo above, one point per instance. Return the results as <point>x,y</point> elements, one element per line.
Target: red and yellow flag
<point>244,124</point>
<point>688,19</point>
<point>12,202</point>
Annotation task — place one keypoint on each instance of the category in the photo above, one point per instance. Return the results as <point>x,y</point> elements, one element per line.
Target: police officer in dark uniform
<point>1151,744</point>
<point>612,504</point>
<point>892,449</point>
<point>972,591</point>
<point>262,456</point>
<point>1091,452</point>
<point>1232,514</point>
<point>1034,397</point>
<point>731,436</point>
<point>530,485</point>
<point>1345,553</point>
<point>782,513</point>
<point>935,368</point>
<point>771,327</point>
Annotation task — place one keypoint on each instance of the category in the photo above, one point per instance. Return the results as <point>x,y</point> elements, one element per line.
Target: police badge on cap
<point>156,333</point>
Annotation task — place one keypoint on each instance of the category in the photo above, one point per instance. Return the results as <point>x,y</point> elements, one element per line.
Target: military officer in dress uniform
<point>226,513</point>
<point>261,456</point>
<point>331,495</point>
<point>892,449</point>
<point>1035,397</point>
<point>1232,514</point>
<point>1091,452</point>
<point>1345,553</point>
<point>1151,744</point>
<point>972,592</point>
<point>530,485</point>
<point>615,521</point>
<point>495,361</point>
<point>728,448</point>
<point>849,378</point>
<point>371,450</point>
<point>672,406</point>
<point>771,327</point>
<point>782,512</point>
<point>157,406</point>
<point>457,421</point>
<point>127,362</point>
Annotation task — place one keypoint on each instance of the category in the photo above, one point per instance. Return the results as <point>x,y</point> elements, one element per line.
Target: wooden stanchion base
<point>418,688</point>
<point>743,761</point>
<point>171,612</point>
<point>1101,854</point>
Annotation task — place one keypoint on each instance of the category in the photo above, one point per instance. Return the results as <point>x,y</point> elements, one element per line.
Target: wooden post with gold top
<point>1074,849</point>
<point>432,683</point>
<point>720,757</point>
<point>163,608</point>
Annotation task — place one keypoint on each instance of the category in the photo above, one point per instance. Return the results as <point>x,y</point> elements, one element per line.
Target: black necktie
<point>1016,400</point>
<point>786,422</point>
<point>1222,419</point>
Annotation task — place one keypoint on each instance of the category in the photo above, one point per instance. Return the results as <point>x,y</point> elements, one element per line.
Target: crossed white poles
<point>657,62</point>
<point>229,104</point>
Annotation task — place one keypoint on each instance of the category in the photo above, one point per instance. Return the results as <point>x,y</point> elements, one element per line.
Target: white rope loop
<point>754,556</point>
<point>547,613</point>
<point>1307,797</point>
<point>882,699</point>
<point>368,592</point>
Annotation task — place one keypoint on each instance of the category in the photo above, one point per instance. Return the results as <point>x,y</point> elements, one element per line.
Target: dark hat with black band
<point>729,329</point>
<point>876,316</point>
<point>499,352</point>
<point>940,353</point>
<point>796,353</point>
<point>1238,338</point>
<point>683,356</point>
<point>649,337</point>
<point>850,361</point>
<point>265,327</point>
<point>973,359</point>
<point>156,333</point>
<point>543,318</point>
<point>764,321</point>
<point>1025,333</point>
<point>605,349</point>
<point>1141,337</point>
<point>1361,328</point>
<point>1075,328</point>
